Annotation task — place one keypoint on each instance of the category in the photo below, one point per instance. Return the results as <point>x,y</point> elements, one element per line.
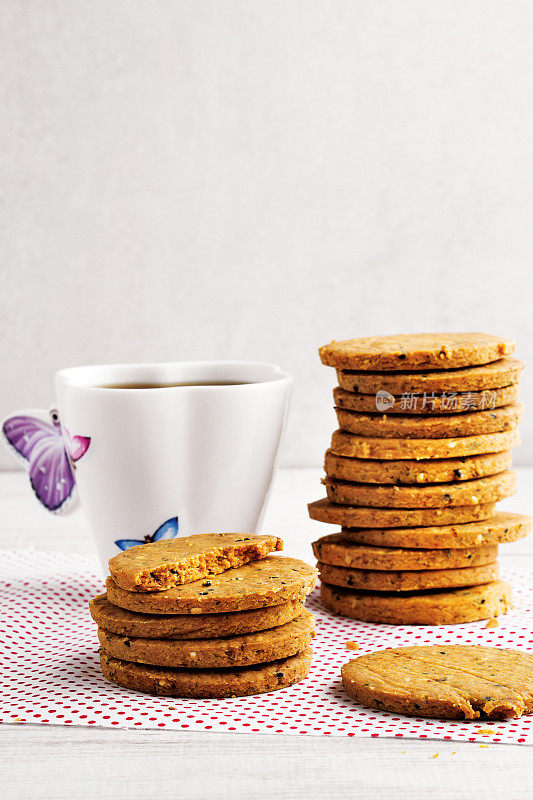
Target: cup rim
<point>72,377</point>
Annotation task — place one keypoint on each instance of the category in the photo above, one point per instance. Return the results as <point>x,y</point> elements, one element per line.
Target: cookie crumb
<point>352,646</point>
<point>486,731</point>
<point>492,623</point>
<point>435,756</point>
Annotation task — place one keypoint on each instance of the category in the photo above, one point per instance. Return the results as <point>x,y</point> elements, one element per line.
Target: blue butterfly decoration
<point>168,530</point>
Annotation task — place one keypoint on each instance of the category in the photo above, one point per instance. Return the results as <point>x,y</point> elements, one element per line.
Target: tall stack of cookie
<point>422,454</point>
<point>212,615</point>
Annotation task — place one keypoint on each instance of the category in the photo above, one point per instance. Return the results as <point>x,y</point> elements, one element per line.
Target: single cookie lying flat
<point>407,581</point>
<point>347,444</point>
<point>367,517</point>
<point>420,404</point>
<point>190,626</point>
<point>499,528</point>
<point>466,493</point>
<point>366,470</point>
<point>267,582</point>
<point>233,651</point>
<point>409,426</point>
<point>338,551</point>
<point>495,375</point>
<point>160,565</point>
<point>416,351</point>
<point>448,607</point>
<point>448,681</point>
<point>207,682</point>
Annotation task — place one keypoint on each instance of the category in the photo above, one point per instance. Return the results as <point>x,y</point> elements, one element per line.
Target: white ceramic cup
<point>205,454</point>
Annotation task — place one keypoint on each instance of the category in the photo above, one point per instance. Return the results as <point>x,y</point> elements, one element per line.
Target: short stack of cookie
<point>211,615</point>
<point>422,454</point>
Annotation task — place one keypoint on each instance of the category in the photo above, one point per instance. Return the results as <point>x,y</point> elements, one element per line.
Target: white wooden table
<point>66,762</point>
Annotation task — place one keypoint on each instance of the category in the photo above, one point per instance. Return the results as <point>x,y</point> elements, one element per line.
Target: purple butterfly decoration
<point>168,530</point>
<point>40,446</point>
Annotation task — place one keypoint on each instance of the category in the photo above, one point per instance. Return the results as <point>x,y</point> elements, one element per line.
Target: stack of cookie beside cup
<point>422,454</point>
<point>212,615</point>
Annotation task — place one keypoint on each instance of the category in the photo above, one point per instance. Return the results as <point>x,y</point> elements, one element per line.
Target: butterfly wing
<point>168,530</point>
<point>78,446</point>
<point>23,433</point>
<point>50,473</point>
<point>40,447</point>
<point>125,544</point>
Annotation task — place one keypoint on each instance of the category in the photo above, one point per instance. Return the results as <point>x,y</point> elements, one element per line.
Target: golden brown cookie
<point>160,565</point>
<point>366,517</point>
<point>347,444</point>
<point>465,493</point>
<point>426,404</point>
<point>442,470</point>
<point>409,426</point>
<point>495,375</point>
<point>207,682</point>
<point>340,552</point>
<point>190,626</point>
<point>444,681</point>
<point>219,653</point>
<point>407,581</point>
<point>499,528</point>
<point>448,607</point>
<point>415,351</point>
<point>267,582</point>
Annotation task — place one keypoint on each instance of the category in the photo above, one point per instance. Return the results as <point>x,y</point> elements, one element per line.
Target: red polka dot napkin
<point>50,670</point>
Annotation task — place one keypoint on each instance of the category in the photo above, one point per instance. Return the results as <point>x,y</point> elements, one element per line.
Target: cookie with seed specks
<point>415,351</point>
<point>267,582</point>
<point>350,445</point>
<point>157,566</point>
<point>444,681</point>
<point>464,493</point>
<point>497,529</point>
<point>217,653</point>
<point>441,607</point>
<point>368,517</point>
<point>207,683</point>
<point>442,470</point>
<point>496,375</point>
<point>190,626</point>
<point>338,551</point>
<point>446,426</point>
<point>407,580</point>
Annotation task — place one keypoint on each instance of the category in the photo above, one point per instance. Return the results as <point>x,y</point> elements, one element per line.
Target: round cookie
<point>403,426</point>
<point>267,582</point>
<point>347,444</point>
<point>465,493</point>
<point>367,517</point>
<point>444,681</point>
<point>418,404</point>
<point>160,565</point>
<point>499,528</point>
<point>495,375</point>
<point>207,683</point>
<point>190,626</point>
<point>448,607</point>
<point>407,581</point>
<point>415,351</point>
<point>217,653</point>
<point>340,552</point>
<point>366,470</point>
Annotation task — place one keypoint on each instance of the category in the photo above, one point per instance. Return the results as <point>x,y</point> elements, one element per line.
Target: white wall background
<point>252,178</point>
